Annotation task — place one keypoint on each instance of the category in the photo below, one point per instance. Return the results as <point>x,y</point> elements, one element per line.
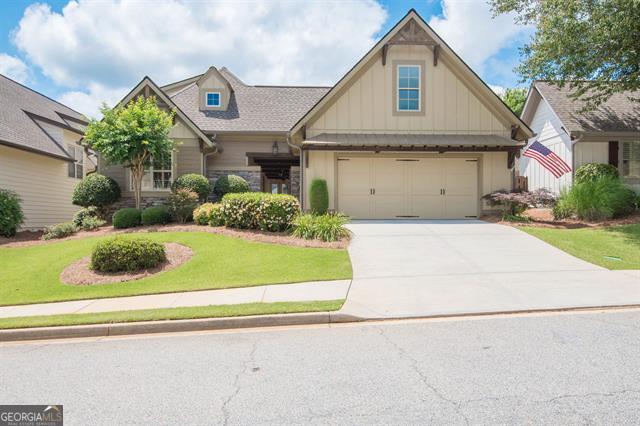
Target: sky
<point>86,52</point>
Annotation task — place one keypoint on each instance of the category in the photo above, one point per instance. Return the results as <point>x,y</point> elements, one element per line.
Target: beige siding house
<point>409,132</point>
<point>40,156</point>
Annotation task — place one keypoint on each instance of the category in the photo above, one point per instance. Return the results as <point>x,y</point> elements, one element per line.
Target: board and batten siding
<point>367,106</point>
<point>43,185</point>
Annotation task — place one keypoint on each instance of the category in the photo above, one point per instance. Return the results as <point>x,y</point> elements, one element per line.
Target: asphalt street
<point>578,368</point>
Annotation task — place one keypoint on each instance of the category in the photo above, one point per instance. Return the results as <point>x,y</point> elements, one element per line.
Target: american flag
<point>547,158</point>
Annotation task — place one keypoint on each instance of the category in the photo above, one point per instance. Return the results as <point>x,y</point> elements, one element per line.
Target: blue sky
<point>87,52</point>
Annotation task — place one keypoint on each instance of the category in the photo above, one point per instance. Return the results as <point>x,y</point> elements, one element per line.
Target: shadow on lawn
<point>631,233</point>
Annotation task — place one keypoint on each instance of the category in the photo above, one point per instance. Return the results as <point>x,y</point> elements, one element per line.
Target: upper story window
<point>631,159</point>
<point>213,99</point>
<point>409,88</point>
<point>76,168</point>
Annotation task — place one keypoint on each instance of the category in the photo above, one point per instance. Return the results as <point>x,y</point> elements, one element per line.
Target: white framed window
<point>213,99</point>
<point>158,176</point>
<point>409,88</point>
<point>630,159</point>
<point>76,168</point>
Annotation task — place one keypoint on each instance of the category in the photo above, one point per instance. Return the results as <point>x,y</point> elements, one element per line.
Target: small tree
<point>319,196</point>
<point>515,99</point>
<point>131,136</point>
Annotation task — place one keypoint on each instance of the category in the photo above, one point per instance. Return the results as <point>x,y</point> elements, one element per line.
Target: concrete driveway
<point>429,268</point>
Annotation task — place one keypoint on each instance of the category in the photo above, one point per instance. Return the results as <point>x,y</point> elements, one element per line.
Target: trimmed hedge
<point>326,227</point>
<point>591,172</point>
<point>96,190</point>
<point>208,214</point>
<point>11,215</point>
<point>126,218</point>
<point>155,215</point>
<point>127,255</point>
<point>193,182</point>
<point>230,184</point>
<point>259,210</point>
<point>319,196</point>
<point>61,230</point>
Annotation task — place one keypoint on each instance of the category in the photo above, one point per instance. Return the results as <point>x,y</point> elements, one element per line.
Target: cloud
<point>89,101</point>
<point>499,90</point>
<point>95,47</point>
<point>469,28</point>
<point>14,68</point>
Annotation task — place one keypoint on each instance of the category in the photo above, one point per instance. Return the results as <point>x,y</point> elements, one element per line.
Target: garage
<point>407,187</point>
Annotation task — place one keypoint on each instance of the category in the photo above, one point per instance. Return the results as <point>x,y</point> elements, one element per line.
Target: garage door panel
<point>355,176</point>
<point>389,206</point>
<point>427,206</point>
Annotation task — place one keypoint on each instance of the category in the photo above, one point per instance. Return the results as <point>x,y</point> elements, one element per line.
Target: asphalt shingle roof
<point>251,108</point>
<point>618,114</point>
<point>17,128</point>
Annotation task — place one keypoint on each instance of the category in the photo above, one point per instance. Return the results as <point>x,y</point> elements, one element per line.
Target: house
<point>610,134</point>
<point>40,157</point>
<point>409,132</point>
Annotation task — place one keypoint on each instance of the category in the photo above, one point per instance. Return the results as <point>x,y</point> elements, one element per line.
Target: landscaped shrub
<point>319,196</point>
<point>96,190</point>
<point>11,216</point>
<point>181,205</point>
<point>60,230</point>
<point>126,218</point>
<point>326,227</point>
<point>155,215</point>
<point>193,182</point>
<point>259,210</point>
<point>562,209</point>
<point>594,171</point>
<point>230,184</point>
<point>91,223</point>
<point>518,202</point>
<point>88,219</point>
<point>208,214</point>
<point>126,255</point>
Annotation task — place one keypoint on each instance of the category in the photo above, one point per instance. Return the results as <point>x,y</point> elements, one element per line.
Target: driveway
<point>430,268</point>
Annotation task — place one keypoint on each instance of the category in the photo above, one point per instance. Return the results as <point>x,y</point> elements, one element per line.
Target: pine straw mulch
<point>79,273</point>
<point>542,218</point>
<point>27,238</point>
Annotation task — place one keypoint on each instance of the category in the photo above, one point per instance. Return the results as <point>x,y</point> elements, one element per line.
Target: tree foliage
<point>591,45</point>
<point>131,136</point>
<point>515,99</point>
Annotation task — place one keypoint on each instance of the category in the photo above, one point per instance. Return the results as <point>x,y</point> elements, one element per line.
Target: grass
<point>31,274</point>
<point>217,311</point>
<point>616,247</point>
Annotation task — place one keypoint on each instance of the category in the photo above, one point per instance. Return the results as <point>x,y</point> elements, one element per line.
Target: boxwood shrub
<point>591,172</point>
<point>158,215</point>
<point>193,182</point>
<point>230,184</point>
<point>126,218</point>
<point>259,210</point>
<point>208,214</point>
<point>96,190</point>
<point>127,255</point>
<point>11,215</point>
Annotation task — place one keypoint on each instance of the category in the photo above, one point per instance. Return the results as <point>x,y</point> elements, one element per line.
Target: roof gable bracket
<point>436,49</point>
<point>412,34</point>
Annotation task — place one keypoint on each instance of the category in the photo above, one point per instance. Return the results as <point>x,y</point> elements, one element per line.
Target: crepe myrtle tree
<point>131,136</point>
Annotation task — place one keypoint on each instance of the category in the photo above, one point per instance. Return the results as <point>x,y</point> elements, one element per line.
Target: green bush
<point>326,227</point>
<point>193,182</point>
<point>599,199</point>
<point>259,210</point>
<point>594,171</point>
<point>208,214</point>
<point>96,190</point>
<point>230,184</point>
<point>127,255</point>
<point>126,218</point>
<point>91,223</point>
<point>155,216</point>
<point>84,213</point>
<point>60,230</point>
<point>319,196</point>
<point>181,204</point>
<point>11,215</point>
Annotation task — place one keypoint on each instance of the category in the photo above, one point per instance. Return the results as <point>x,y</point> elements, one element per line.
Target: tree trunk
<point>137,173</point>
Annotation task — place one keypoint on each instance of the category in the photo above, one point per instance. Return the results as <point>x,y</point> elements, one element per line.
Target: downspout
<point>574,141</point>
<point>204,156</point>
<point>301,177</point>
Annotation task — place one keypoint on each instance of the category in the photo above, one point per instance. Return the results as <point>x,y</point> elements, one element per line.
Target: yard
<point>31,274</point>
<point>615,247</point>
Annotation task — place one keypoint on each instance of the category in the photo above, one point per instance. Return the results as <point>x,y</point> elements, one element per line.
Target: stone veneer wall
<point>295,181</point>
<point>254,178</point>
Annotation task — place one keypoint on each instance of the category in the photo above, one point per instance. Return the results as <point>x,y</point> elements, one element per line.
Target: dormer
<point>214,90</point>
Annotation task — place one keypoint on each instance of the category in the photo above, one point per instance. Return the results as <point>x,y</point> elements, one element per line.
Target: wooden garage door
<point>396,188</point>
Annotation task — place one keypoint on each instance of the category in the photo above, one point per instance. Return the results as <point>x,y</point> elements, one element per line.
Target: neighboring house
<point>40,158</point>
<point>409,132</point>
<point>610,134</point>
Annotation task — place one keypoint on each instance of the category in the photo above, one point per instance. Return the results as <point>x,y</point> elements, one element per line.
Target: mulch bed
<point>27,238</point>
<point>542,218</point>
<point>78,273</point>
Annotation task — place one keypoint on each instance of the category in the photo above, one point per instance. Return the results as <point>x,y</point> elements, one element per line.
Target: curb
<point>173,326</point>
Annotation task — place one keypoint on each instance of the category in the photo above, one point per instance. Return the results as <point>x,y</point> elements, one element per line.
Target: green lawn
<point>246,309</point>
<point>616,247</point>
<point>31,274</point>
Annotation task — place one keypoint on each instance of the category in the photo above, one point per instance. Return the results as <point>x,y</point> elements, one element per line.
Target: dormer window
<point>409,88</point>
<point>213,99</point>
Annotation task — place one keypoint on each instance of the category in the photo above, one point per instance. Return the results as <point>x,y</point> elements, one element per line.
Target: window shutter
<point>613,153</point>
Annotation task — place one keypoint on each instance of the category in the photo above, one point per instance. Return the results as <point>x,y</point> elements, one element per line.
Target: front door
<point>276,186</point>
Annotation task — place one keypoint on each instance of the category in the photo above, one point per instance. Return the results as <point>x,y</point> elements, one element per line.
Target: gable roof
<point>492,100</point>
<point>21,109</point>
<point>251,108</point>
<point>618,114</point>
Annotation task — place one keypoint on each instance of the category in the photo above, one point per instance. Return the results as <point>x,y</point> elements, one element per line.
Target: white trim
<point>206,99</point>
<point>151,170</point>
<point>398,88</point>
